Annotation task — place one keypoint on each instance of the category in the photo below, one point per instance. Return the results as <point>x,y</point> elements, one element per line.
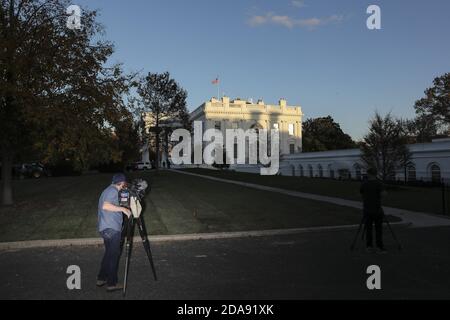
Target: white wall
<point>424,155</point>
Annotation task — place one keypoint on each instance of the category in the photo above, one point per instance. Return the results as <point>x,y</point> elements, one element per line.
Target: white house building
<point>430,161</point>
<point>241,114</point>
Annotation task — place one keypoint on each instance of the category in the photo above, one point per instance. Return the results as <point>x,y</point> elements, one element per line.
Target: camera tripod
<point>363,220</point>
<point>127,240</point>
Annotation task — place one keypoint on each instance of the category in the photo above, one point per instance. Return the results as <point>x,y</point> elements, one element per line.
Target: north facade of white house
<point>226,114</point>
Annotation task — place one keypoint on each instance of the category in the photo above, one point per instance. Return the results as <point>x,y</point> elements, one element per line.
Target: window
<point>292,148</point>
<point>235,151</point>
<point>300,169</point>
<point>435,173</point>
<point>319,167</point>
<point>291,129</point>
<point>310,169</point>
<point>218,125</point>
<point>411,173</point>
<point>276,126</point>
<point>331,171</point>
<point>358,174</point>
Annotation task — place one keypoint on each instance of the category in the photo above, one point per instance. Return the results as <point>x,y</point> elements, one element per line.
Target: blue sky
<point>315,53</point>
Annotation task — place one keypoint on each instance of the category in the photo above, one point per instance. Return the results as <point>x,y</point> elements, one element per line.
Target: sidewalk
<point>416,219</point>
<point>59,243</point>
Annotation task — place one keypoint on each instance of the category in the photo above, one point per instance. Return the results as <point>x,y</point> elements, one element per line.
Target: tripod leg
<point>393,234</point>
<point>146,243</point>
<point>129,248</point>
<point>357,234</point>
<point>124,233</point>
<point>363,236</point>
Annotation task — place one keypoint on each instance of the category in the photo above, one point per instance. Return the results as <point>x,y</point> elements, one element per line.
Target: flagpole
<point>217,83</point>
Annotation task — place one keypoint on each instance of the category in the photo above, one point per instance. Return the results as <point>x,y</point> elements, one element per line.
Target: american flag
<point>215,81</point>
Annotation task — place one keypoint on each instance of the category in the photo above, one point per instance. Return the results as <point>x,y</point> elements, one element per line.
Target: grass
<point>66,207</point>
<point>403,197</point>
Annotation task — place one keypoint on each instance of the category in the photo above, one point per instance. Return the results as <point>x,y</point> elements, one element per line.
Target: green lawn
<point>61,208</point>
<point>403,197</point>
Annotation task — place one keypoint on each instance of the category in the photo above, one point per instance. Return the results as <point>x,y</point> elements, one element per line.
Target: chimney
<point>226,101</point>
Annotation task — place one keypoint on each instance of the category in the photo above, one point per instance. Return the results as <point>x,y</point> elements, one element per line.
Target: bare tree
<point>384,147</point>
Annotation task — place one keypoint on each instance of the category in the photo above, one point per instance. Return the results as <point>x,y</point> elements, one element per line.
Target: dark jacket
<point>371,191</point>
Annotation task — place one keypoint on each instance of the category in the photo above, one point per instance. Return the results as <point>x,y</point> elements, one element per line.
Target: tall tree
<point>436,103</point>
<point>384,147</point>
<point>322,134</point>
<point>56,95</point>
<point>126,139</point>
<point>162,99</point>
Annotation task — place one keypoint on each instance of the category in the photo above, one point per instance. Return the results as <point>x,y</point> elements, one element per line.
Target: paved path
<point>18,245</point>
<point>416,219</point>
<point>299,266</point>
<point>59,243</point>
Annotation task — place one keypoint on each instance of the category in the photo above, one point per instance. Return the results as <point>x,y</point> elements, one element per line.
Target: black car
<point>31,170</point>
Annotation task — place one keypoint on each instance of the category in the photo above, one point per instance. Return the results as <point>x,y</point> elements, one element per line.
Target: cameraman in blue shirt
<point>110,221</point>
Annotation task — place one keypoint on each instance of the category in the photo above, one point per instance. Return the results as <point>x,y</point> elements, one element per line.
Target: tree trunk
<point>8,108</point>
<point>157,149</point>
<point>7,195</point>
<point>166,146</point>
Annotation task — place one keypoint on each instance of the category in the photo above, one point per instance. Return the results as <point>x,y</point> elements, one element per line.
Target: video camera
<point>136,188</point>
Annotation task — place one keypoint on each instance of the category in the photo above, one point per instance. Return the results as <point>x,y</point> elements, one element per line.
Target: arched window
<point>411,173</point>
<point>300,169</point>
<point>310,169</point>
<point>293,170</point>
<point>435,173</point>
<point>319,168</point>
<point>257,127</point>
<point>331,171</point>
<point>358,174</point>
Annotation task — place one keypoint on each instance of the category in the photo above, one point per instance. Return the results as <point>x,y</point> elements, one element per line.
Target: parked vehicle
<point>142,166</point>
<point>31,170</point>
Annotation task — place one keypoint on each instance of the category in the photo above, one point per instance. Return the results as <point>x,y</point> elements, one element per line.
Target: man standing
<point>110,221</point>
<point>372,191</point>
